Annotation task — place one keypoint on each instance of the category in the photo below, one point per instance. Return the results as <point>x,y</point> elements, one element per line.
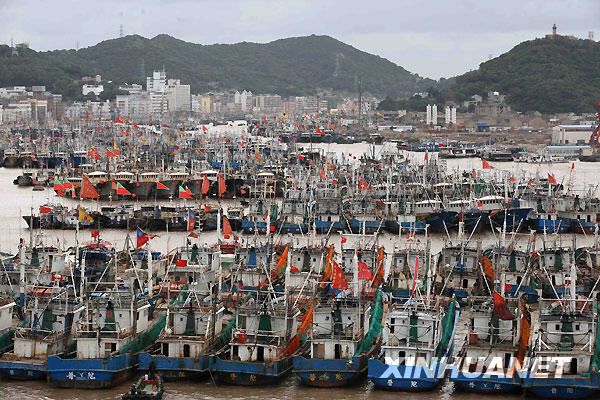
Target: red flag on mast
<point>205,185</point>
<point>222,187</point>
<point>226,226</point>
<point>416,273</point>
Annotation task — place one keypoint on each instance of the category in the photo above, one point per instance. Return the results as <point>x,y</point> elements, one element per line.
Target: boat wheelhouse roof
<point>429,202</point>
<point>491,197</point>
<point>97,173</point>
<point>124,173</point>
<point>460,202</point>
<point>209,172</point>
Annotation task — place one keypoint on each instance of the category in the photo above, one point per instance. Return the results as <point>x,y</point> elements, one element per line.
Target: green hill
<point>293,66</point>
<point>549,75</point>
<point>31,68</point>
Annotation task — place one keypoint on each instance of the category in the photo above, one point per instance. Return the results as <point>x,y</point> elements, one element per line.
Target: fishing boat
<point>339,348</point>
<point>565,355</point>
<point>194,320</point>
<point>115,329</point>
<point>495,347</point>
<point>47,331</point>
<point>417,345</point>
<point>433,213</point>
<point>148,387</point>
<point>258,348</point>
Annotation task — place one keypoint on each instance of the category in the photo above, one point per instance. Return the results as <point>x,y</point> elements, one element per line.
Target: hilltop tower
<point>554,30</point>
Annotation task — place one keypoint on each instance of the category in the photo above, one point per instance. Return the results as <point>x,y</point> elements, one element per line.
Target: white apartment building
<point>178,96</point>
<point>95,89</point>
<point>157,82</point>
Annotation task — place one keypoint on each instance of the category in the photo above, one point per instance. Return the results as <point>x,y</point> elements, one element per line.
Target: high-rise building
<point>178,96</point>
<point>157,82</point>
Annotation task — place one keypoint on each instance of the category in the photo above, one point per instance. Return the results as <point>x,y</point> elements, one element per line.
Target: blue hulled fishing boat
<point>495,348</point>
<point>566,356</point>
<point>46,331</point>
<point>193,322</point>
<point>339,351</point>
<point>108,341</point>
<point>418,342</point>
<point>257,349</point>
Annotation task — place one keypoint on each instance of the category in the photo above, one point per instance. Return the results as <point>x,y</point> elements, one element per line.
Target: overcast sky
<point>434,38</point>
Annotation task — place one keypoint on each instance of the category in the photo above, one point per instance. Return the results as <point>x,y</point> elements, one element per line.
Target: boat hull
<point>514,217</point>
<point>488,384</point>
<point>23,370</point>
<point>174,368</point>
<point>327,226</point>
<point>403,377</point>
<point>549,225</point>
<point>440,221</point>
<point>330,373</point>
<point>250,373</point>
<point>562,388</point>
<point>95,373</point>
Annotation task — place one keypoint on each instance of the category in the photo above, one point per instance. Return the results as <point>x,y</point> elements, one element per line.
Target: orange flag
<point>552,179</point>
<point>378,278</point>
<point>339,280</point>
<point>226,226</point>
<point>205,185</point>
<point>486,165</point>
<point>222,187</point>
<point>88,191</point>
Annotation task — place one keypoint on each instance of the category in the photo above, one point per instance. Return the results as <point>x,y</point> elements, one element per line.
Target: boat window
<point>186,350</point>
<point>557,327</point>
<point>573,366</point>
<point>392,323</point>
<point>465,283</point>
<point>338,351</point>
<point>165,349</point>
<point>577,327</point>
<point>260,354</point>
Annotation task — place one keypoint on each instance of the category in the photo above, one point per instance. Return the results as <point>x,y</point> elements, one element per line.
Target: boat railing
<point>580,307</point>
<point>581,341</point>
<point>241,336</point>
<point>34,333</point>
<point>82,331</point>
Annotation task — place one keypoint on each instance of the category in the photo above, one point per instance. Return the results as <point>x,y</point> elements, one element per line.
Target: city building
<point>572,134</point>
<point>95,89</point>
<point>178,96</point>
<point>157,82</point>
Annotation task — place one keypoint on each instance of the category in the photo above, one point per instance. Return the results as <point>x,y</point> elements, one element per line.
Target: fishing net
<point>190,324</point>
<point>146,339</point>
<point>225,336</point>
<point>447,330</point>
<point>375,326</point>
<point>596,357</point>
<point>6,340</point>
